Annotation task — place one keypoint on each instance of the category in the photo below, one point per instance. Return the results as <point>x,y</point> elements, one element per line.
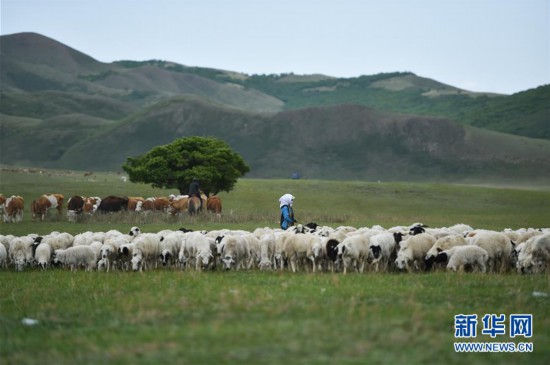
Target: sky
<point>500,46</point>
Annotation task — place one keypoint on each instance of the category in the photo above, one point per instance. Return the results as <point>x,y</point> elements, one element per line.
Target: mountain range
<point>60,108</point>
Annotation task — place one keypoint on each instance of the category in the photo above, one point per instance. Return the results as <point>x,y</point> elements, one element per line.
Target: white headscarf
<point>286,199</point>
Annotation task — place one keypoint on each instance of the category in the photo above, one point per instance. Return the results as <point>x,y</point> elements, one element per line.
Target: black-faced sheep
<point>443,243</point>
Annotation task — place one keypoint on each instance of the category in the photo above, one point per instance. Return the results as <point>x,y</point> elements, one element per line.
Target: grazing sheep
<point>533,254</point>
<point>203,257</point>
<point>253,247</point>
<point>354,251</point>
<point>20,252</point>
<point>76,256</point>
<point>267,251</point>
<point>58,240</point>
<point>3,256</point>
<point>413,250</point>
<point>170,246</point>
<point>234,252</point>
<point>498,247</point>
<point>298,250</point>
<point>443,243</point>
<point>464,257</point>
<point>43,255</point>
<point>332,253</point>
<point>383,248</point>
<point>146,251</point>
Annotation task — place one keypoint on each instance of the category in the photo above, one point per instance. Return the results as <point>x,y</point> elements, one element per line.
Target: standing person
<point>287,214</point>
<point>195,190</point>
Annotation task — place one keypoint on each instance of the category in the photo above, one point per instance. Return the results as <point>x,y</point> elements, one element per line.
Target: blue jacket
<point>287,217</point>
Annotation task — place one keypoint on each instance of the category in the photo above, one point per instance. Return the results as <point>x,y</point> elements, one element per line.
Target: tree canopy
<point>174,165</point>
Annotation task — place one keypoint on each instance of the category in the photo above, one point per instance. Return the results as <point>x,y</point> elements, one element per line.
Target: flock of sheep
<point>308,248</point>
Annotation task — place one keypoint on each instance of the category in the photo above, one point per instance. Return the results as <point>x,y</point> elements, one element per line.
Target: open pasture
<point>254,317</point>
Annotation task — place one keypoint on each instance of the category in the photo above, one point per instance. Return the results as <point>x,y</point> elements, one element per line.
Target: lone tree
<point>174,165</point>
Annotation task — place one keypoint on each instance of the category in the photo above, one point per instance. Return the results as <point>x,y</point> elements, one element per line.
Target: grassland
<point>253,317</point>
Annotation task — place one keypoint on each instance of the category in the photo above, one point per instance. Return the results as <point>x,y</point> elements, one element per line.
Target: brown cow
<point>179,205</point>
<point>13,211</point>
<point>214,204</point>
<point>40,206</point>
<point>133,202</point>
<point>91,204</point>
<point>154,204</point>
<point>2,204</point>
<point>75,204</point>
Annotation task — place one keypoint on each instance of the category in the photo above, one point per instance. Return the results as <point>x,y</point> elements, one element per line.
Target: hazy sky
<point>481,45</point>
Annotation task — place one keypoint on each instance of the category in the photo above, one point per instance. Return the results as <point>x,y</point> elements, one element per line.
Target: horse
<point>193,205</point>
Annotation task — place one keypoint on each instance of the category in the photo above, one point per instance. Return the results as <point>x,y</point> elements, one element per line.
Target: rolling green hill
<point>60,108</point>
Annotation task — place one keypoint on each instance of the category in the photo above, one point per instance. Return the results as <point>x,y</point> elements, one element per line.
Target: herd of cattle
<point>13,206</point>
<point>310,248</point>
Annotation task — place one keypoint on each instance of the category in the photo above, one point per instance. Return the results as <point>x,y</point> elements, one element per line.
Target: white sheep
<point>464,256</point>
<point>267,251</point>
<point>43,255</point>
<point>203,257</point>
<point>76,256</point>
<point>298,250</point>
<point>441,244</point>
<point>234,252</point>
<point>20,252</point>
<point>498,247</point>
<point>383,248</point>
<point>354,251</point>
<point>413,250</point>
<point>253,247</point>
<point>58,240</point>
<point>533,255</point>
<point>3,256</point>
<point>125,255</point>
<point>170,247</point>
<point>146,251</point>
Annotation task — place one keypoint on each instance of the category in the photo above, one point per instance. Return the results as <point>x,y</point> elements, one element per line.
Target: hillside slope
<point>364,144</point>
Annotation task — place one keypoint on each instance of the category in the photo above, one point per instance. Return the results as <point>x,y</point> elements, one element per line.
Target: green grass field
<point>253,317</point>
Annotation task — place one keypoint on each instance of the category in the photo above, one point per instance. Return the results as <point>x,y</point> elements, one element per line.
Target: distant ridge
<point>61,108</point>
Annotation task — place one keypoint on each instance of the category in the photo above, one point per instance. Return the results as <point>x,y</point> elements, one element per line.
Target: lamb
<point>146,251</point>
<point>443,243</point>
<point>43,255</point>
<point>76,256</point>
<point>353,251</point>
<point>413,250</point>
<point>498,247</point>
<point>464,256</point>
